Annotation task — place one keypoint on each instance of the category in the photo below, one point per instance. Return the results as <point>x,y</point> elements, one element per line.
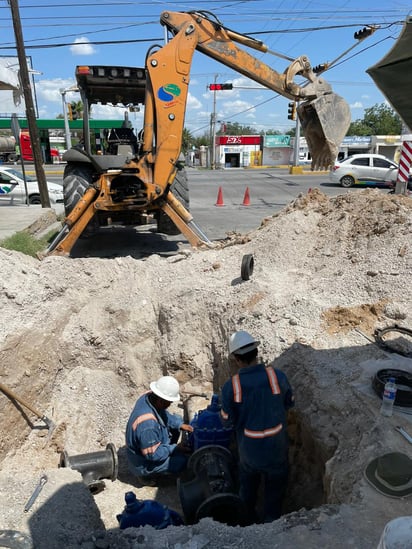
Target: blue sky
<point>60,34</point>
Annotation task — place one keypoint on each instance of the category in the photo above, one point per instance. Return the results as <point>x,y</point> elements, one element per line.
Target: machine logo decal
<point>168,92</point>
<point>5,189</point>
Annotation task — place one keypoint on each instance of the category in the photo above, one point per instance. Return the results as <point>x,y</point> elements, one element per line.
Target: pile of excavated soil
<point>80,340</point>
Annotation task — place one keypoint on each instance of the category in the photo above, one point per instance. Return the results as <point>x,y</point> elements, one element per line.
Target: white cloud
<point>82,46</point>
<point>238,106</point>
<point>357,105</point>
<point>49,90</point>
<point>193,102</point>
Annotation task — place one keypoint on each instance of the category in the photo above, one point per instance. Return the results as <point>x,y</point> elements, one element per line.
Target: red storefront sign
<point>238,139</point>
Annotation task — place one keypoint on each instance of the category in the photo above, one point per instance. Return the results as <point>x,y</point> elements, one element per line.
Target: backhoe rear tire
<point>180,189</point>
<point>76,180</point>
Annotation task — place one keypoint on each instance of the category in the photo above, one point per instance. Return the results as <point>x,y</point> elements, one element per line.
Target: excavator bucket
<point>324,122</point>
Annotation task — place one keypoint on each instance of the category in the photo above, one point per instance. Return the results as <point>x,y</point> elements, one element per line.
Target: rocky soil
<point>80,340</point>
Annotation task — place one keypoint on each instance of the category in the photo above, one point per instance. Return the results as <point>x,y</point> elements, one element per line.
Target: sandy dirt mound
<point>80,339</point>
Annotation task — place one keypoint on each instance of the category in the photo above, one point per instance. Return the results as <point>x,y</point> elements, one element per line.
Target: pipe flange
<point>115,459</point>
<point>401,347</point>
<point>203,456</point>
<point>226,508</point>
<point>246,269</point>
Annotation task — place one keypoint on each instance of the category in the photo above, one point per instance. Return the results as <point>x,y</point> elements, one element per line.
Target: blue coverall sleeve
<point>151,445</point>
<point>227,410</point>
<point>174,421</point>
<point>289,397</point>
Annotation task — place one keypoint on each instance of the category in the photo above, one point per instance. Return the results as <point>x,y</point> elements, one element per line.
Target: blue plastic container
<point>208,427</point>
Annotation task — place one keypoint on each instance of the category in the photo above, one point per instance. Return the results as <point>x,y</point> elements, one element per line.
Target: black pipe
<point>208,488</point>
<point>93,467</point>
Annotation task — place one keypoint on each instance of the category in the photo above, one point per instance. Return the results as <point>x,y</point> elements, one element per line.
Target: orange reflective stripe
<point>141,419</point>
<point>273,380</point>
<point>265,433</point>
<point>224,414</point>
<point>150,450</point>
<point>237,388</point>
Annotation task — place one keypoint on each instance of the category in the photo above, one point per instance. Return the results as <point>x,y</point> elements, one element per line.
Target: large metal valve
<point>208,488</point>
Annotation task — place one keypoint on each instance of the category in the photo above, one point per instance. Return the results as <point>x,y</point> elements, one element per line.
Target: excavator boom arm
<point>325,117</point>
<point>220,44</point>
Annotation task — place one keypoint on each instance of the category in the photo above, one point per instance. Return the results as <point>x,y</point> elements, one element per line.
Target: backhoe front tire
<point>77,179</point>
<point>180,189</point>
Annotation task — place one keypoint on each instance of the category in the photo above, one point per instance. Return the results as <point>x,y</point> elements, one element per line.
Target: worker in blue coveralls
<point>152,433</point>
<point>255,401</point>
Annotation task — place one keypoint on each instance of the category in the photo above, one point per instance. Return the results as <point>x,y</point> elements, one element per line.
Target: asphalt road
<point>221,202</point>
<point>269,191</point>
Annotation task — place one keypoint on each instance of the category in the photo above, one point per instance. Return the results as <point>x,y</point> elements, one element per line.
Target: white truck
<point>8,151</point>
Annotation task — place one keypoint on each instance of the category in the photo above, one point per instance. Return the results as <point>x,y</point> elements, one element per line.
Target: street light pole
<point>66,121</point>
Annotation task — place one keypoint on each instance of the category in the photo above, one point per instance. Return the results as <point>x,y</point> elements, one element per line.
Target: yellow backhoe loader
<point>150,180</point>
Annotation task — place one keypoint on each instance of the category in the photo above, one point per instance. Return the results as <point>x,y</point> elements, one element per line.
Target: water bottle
<point>388,397</point>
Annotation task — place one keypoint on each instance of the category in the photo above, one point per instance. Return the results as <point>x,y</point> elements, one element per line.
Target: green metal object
<point>58,124</point>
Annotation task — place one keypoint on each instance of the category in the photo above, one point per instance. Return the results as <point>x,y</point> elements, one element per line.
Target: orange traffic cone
<point>246,198</point>
<point>219,201</point>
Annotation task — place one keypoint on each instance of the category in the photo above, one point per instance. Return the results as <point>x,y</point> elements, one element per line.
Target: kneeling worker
<point>152,432</point>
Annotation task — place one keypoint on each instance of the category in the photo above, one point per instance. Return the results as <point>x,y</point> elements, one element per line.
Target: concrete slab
<point>18,218</point>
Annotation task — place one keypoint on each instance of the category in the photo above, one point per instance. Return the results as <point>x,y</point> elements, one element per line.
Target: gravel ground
<point>81,339</point>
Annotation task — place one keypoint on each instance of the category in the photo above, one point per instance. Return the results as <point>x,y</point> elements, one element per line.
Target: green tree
<point>234,128</point>
<point>187,140</point>
<point>271,132</point>
<point>77,109</point>
<point>378,120</point>
<point>203,139</point>
<point>359,128</point>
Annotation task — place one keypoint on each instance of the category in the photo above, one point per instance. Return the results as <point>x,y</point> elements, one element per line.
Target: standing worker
<point>152,433</point>
<point>255,400</point>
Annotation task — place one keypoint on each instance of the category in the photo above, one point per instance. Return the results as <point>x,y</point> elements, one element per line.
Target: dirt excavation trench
<point>81,339</point>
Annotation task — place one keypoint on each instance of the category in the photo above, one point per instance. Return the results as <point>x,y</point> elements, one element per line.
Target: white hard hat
<point>241,343</point>
<point>166,387</point>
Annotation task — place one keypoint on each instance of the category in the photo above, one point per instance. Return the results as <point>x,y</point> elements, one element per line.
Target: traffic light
<point>218,87</point>
<point>364,33</point>
<point>292,110</point>
<point>320,68</point>
<point>70,111</point>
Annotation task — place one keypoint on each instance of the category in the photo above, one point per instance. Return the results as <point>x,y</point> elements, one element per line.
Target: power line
<point>132,41</point>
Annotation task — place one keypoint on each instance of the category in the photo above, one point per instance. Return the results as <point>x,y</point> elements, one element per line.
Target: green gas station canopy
<point>393,74</point>
<point>58,124</point>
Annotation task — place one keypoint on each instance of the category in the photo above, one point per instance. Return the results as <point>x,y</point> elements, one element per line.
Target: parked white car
<point>372,170</point>
<point>13,191</point>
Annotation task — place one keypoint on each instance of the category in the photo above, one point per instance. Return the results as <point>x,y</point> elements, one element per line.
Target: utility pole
<point>30,111</point>
<point>214,128</point>
<point>296,143</point>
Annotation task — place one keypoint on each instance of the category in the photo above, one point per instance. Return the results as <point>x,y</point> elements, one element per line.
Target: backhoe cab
<point>150,179</point>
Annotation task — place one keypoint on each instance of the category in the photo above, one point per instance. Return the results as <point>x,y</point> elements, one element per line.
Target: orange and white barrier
<point>405,161</point>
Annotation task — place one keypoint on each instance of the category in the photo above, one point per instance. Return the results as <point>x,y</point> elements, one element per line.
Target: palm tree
<point>76,109</point>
